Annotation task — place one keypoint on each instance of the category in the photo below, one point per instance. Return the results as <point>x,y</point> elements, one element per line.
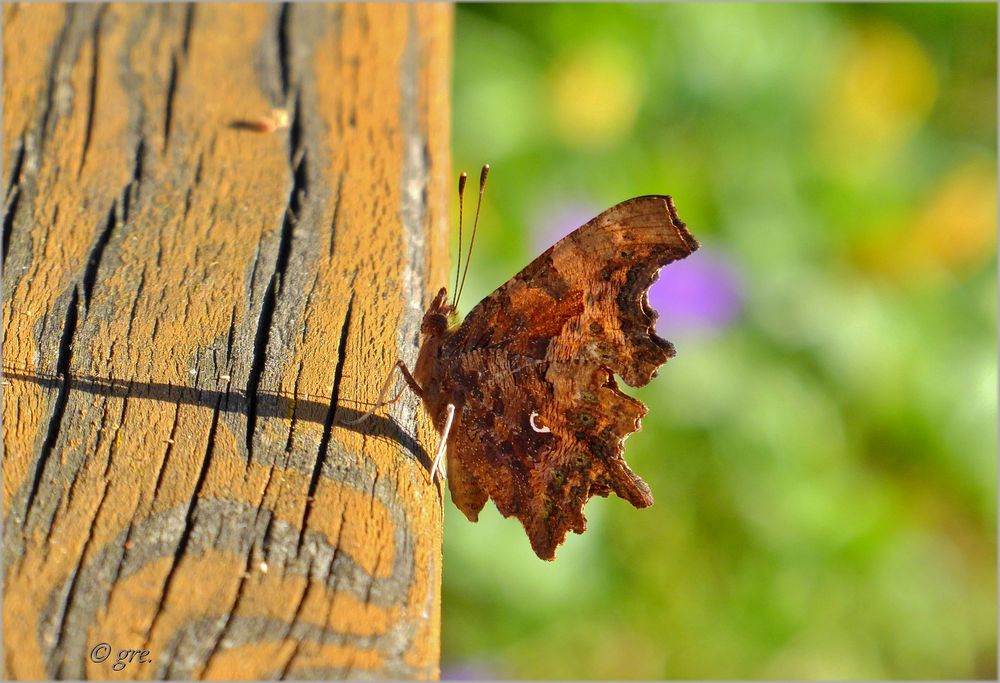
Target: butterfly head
<point>439,316</point>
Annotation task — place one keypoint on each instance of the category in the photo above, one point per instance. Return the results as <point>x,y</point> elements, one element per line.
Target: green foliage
<point>824,460</point>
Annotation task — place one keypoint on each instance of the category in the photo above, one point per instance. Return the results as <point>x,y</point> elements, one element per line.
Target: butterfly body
<point>538,419</point>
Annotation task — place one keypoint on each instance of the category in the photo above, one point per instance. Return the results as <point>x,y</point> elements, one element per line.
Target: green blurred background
<point>823,449</point>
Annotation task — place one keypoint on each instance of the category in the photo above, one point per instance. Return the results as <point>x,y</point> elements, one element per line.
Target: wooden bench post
<point>191,306</point>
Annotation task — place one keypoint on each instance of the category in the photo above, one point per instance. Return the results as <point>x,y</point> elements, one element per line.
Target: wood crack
<point>224,631</point>
<point>117,216</point>
<point>71,593</point>
<point>63,360</point>
<point>55,70</point>
<point>336,210</point>
<point>131,191</point>
<point>296,150</point>
<point>135,302</point>
<point>331,413</point>
<point>95,62</point>
<point>181,551</point>
<point>96,253</point>
<point>12,198</point>
<point>295,620</point>
<point>169,449</point>
<point>197,183</point>
<point>329,603</point>
<point>230,336</point>
<point>168,115</point>
<point>262,336</point>
<point>284,52</point>
<point>127,543</point>
<point>188,26</point>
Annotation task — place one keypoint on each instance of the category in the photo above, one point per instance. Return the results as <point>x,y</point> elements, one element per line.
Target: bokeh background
<point>823,449</point>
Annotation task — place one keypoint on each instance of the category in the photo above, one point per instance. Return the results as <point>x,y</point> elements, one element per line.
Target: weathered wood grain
<point>190,307</point>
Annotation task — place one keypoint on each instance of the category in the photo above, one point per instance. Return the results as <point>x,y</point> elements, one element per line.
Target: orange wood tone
<point>192,304</point>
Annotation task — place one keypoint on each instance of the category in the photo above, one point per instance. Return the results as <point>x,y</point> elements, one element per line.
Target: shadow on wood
<point>270,404</point>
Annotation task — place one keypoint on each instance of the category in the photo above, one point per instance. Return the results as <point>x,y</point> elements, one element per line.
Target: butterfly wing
<point>541,419</point>
<point>585,297</point>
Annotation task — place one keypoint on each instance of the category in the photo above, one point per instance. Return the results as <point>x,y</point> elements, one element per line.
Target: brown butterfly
<point>523,391</point>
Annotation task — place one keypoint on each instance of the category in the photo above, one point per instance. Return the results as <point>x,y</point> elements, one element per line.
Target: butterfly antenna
<point>475,223</point>
<point>461,202</point>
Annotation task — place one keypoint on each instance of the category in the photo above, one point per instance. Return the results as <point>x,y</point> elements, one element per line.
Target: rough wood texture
<point>190,308</point>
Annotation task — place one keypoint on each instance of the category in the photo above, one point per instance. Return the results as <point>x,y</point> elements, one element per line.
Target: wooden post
<point>191,307</point>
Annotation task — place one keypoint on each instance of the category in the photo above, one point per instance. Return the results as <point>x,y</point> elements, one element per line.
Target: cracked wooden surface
<point>190,309</point>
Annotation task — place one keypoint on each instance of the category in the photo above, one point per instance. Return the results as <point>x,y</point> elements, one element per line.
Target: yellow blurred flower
<point>953,231</point>
<point>957,227</point>
<point>883,89</point>
<point>595,95</point>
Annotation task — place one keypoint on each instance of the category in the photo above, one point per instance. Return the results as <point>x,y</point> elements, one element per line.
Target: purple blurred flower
<point>700,295</point>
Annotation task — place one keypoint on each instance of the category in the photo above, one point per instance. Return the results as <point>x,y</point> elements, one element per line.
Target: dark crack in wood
<point>284,50</point>
<point>168,116</point>
<point>95,63</point>
<point>12,198</point>
<point>189,521</point>
<point>264,323</point>
<point>63,361</point>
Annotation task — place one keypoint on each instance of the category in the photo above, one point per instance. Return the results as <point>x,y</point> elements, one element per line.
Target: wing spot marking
<point>541,429</point>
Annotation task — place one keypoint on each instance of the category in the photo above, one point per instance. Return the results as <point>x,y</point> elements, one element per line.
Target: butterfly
<point>523,390</point>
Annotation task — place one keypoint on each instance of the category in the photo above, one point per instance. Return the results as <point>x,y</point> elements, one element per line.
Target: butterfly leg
<point>385,392</point>
<point>410,381</point>
<point>444,440</point>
